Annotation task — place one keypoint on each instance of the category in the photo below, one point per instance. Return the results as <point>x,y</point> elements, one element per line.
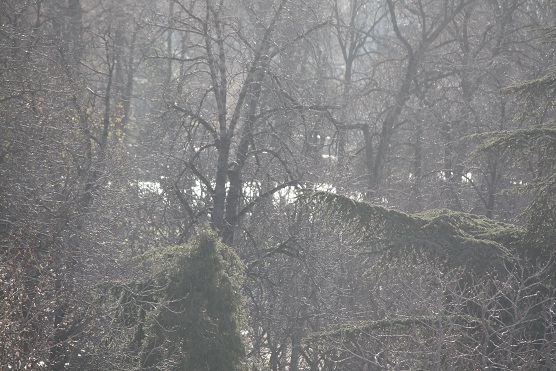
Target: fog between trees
<point>283,184</point>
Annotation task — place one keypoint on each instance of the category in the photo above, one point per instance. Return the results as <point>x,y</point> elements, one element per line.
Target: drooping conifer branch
<point>454,238</point>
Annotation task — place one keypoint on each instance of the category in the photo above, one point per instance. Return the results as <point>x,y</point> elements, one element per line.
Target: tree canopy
<point>420,132</point>
<point>455,239</point>
<point>188,314</point>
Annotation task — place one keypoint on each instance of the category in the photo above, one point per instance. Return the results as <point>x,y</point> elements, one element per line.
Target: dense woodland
<point>277,185</point>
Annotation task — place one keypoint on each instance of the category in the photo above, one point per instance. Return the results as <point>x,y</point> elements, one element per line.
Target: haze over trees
<point>277,185</point>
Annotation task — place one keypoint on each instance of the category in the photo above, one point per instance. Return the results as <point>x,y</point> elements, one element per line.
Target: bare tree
<point>503,322</point>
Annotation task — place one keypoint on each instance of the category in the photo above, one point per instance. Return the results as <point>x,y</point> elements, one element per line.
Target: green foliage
<point>534,146</point>
<point>540,215</point>
<point>523,141</point>
<point>544,86</point>
<point>512,314</point>
<point>538,94</point>
<point>455,239</point>
<point>188,316</point>
<point>200,319</point>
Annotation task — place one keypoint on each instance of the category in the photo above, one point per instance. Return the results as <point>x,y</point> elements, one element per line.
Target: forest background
<point>277,184</point>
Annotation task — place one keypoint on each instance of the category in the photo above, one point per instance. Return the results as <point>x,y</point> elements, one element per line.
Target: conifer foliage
<point>534,146</point>
<point>455,239</point>
<point>194,322</point>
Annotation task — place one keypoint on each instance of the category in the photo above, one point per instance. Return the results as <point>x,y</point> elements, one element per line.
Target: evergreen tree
<point>454,239</point>
<point>536,148</point>
<point>462,239</point>
<point>502,295</point>
<point>195,323</point>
